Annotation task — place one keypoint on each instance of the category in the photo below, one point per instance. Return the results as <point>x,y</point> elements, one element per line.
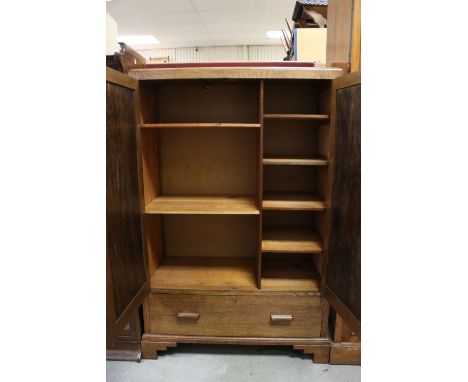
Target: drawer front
<point>243,316</point>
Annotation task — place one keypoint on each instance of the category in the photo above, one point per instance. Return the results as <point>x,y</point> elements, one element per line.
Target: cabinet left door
<point>126,272</point>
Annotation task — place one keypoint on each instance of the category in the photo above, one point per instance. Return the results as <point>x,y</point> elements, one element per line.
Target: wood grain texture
<point>356,37</point>
<point>293,117</point>
<point>150,164</point>
<point>340,15</point>
<point>233,64</point>
<point>343,332</point>
<point>295,161</point>
<point>324,179</point>
<point>261,98</point>
<point>291,239</point>
<point>127,345</point>
<point>288,272</point>
<point>345,354</point>
<point>208,161</point>
<point>180,102</point>
<point>325,317</point>
<point>288,97</point>
<point>153,240</point>
<point>199,125</point>
<point>291,138</point>
<point>344,257</point>
<point>203,205</point>
<point>292,201</point>
<point>343,311</point>
<point>150,349</point>
<point>124,354</point>
<point>320,353</point>
<point>291,178</point>
<point>235,73</point>
<point>117,78</point>
<point>126,269</point>
<point>282,341</point>
<point>205,273</point>
<point>210,235</point>
<point>235,315</point>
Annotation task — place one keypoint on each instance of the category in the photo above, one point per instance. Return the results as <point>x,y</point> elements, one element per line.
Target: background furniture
<point>220,218</point>
<point>344,34</point>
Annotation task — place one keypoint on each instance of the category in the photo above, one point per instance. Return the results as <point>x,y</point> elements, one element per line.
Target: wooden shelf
<point>295,161</point>
<point>203,205</point>
<point>295,117</point>
<point>292,201</point>
<point>205,273</point>
<point>199,125</point>
<point>295,239</point>
<point>236,73</point>
<point>289,275</point>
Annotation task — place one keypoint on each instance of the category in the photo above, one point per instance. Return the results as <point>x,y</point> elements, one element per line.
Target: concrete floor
<point>210,363</point>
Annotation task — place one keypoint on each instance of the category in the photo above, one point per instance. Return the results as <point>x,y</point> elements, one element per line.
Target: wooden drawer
<point>243,316</point>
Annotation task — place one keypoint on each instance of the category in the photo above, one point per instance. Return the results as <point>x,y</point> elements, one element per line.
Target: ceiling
<point>189,23</point>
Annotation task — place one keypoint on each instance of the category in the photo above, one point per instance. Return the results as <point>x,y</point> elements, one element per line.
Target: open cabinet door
<point>343,277</point>
<point>127,280</point>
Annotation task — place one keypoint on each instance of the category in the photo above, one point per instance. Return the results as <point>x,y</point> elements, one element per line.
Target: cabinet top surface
<point>236,73</point>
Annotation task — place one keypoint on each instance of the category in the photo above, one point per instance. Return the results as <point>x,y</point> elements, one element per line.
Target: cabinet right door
<point>343,276</point>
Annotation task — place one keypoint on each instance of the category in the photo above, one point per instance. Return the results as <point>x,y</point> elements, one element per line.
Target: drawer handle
<point>281,317</point>
<point>188,316</point>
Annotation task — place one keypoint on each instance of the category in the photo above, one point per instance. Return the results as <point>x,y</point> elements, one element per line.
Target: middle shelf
<point>295,160</point>
<point>292,201</point>
<point>203,205</point>
<point>199,125</point>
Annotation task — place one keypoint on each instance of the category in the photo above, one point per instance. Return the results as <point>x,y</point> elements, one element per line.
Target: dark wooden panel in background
<point>344,260</point>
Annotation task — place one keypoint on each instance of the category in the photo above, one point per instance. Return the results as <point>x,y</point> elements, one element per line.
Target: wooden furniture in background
<point>356,37</point>
<point>235,178</point>
<point>344,34</point>
<point>130,58</point>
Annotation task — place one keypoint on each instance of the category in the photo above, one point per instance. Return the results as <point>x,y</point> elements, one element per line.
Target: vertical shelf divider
<point>331,109</point>
<point>260,183</point>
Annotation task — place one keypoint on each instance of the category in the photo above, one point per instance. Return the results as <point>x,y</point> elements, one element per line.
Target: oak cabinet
<point>233,205</point>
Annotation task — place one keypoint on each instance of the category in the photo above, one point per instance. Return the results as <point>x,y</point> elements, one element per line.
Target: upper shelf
<point>236,73</point>
<point>203,205</point>
<point>199,125</point>
<point>297,117</point>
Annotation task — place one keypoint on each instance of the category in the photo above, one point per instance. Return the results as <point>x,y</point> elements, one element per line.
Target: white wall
<point>218,53</point>
<point>112,45</point>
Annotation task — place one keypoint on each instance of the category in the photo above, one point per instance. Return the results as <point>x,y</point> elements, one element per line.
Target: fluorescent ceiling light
<point>274,35</point>
<point>138,40</point>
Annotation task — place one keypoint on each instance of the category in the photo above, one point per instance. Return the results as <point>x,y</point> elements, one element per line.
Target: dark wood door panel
<point>343,283</point>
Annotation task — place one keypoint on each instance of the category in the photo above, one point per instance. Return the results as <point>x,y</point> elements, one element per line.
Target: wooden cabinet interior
<point>235,172</point>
